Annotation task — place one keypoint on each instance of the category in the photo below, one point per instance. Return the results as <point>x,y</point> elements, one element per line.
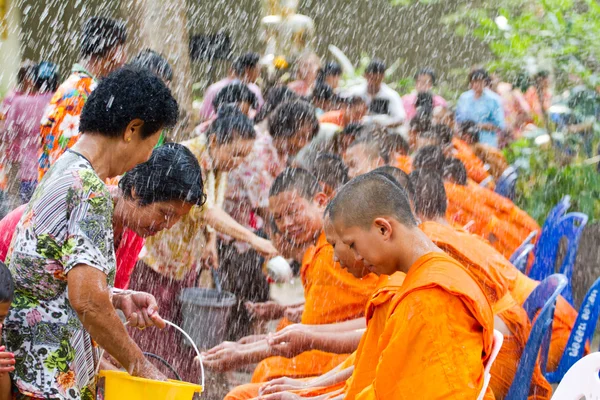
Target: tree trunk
<point>162,26</point>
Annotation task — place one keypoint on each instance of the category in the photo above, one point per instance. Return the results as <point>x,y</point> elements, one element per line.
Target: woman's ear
<point>133,130</point>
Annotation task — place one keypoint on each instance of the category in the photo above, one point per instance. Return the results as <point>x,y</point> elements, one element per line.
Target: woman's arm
<point>222,222</point>
<point>89,296</point>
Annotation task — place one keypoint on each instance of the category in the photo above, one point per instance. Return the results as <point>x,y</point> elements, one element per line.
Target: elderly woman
<point>62,257</point>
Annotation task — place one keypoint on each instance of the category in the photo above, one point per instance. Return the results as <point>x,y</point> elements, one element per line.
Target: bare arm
<point>89,296</point>
<point>352,325</point>
<point>228,355</point>
<point>333,377</point>
<point>291,342</point>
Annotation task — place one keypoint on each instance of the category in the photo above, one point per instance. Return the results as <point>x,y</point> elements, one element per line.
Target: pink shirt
<point>207,110</point>
<point>410,104</point>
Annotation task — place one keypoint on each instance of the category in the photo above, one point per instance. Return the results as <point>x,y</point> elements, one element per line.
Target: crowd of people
<point>383,204</point>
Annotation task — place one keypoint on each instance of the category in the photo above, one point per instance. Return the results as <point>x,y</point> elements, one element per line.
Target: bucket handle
<point>199,356</point>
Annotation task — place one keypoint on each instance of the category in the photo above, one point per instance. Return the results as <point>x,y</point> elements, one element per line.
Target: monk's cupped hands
<point>291,341</point>
<point>282,385</point>
<point>225,357</point>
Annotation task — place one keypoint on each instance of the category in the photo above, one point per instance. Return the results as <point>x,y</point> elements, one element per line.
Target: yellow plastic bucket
<point>122,386</point>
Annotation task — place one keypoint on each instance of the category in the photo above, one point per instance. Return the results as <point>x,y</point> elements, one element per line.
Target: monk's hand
<point>265,311</point>
<point>224,359</point>
<point>222,346</point>
<point>140,309</point>
<point>294,313</point>
<point>281,396</point>
<point>291,342</point>
<point>282,385</point>
<point>251,339</point>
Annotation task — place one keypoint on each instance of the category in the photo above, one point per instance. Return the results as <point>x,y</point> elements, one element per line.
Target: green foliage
<point>543,181</point>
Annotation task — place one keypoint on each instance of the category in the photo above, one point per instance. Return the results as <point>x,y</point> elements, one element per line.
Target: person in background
<point>238,94</point>
<point>425,80</point>
<point>7,359</point>
<point>517,112</point>
<point>156,63</point>
<point>385,104</point>
<point>306,74</point>
<point>25,84</point>
<point>323,99</point>
<point>62,256</point>
<point>330,75</point>
<point>353,110</point>
<point>102,50</point>
<point>490,156</point>
<point>539,97</point>
<point>365,155</point>
<point>245,69</point>
<point>481,106</point>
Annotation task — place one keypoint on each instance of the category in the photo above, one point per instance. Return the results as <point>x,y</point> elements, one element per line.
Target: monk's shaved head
<point>429,195</point>
<point>455,171</point>
<point>398,175</point>
<point>372,147</point>
<point>296,179</point>
<point>368,197</point>
<point>430,158</point>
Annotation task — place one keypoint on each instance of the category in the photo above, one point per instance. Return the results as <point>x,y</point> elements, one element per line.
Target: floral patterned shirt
<point>60,124</point>
<point>68,222</point>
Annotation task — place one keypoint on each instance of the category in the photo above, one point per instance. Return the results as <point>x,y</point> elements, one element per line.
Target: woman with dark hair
<point>62,257</point>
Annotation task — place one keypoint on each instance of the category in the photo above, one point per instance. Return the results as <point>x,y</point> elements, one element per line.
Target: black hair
<point>290,116</point>
<point>322,92</point>
<point>376,67</point>
<point>124,95</point>
<point>244,62</point>
<point>353,129</point>
<point>276,96</point>
<point>470,129</point>
<point>478,74</point>
<point>7,285</point>
<point>444,133</point>
<point>421,122</point>
<point>454,171</point>
<point>100,35</point>
<point>397,175</point>
<point>353,101</point>
<point>424,103</point>
<point>235,93</point>
<point>297,179</point>
<point>330,169</point>
<point>427,71</point>
<point>46,79</point>
<point>429,158</point>
<point>429,196</point>
<point>155,62</point>
<point>231,124</point>
<point>394,143</point>
<point>171,173</point>
<point>27,70</point>
<point>543,74</point>
<point>330,69</point>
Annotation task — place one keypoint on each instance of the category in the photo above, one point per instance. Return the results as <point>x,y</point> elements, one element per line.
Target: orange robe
<point>496,275</point>
<point>333,117</point>
<point>562,325</point>
<point>404,163</point>
<point>332,295</point>
<point>474,166</point>
<point>436,339</point>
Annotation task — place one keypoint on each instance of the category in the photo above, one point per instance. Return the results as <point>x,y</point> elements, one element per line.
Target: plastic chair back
<point>487,375</point>
<point>583,332</point>
<point>520,261</point>
<point>542,298</point>
<point>507,183</point>
<point>570,227</point>
<point>581,381</point>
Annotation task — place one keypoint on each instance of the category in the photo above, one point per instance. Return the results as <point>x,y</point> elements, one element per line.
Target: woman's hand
<point>139,308</point>
<point>264,247</point>
<point>7,361</point>
<point>146,370</point>
<point>210,255</point>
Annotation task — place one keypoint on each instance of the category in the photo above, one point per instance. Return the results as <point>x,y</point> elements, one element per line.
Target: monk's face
<point>359,161</point>
<point>372,246</point>
<point>343,253</point>
<point>298,219</point>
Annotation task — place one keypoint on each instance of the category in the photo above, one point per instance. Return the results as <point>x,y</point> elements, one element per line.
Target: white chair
<point>498,339</point>
<point>581,380</point>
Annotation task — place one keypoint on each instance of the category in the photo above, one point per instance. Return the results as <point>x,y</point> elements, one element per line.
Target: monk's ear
<point>383,227</point>
<point>321,199</point>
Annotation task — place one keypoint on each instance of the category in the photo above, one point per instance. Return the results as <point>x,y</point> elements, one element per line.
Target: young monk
<point>495,274</point>
<point>332,295</point>
<point>364,155</point>
<point>398,150</point>
<point>438,299</point>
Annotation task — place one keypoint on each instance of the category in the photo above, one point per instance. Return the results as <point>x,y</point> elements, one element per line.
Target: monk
<point>332,295</point>
<point>438,299</point>
<point>475,167</point>
<point>495,274</point>
<point>353,110</point>
<point>364,155</point>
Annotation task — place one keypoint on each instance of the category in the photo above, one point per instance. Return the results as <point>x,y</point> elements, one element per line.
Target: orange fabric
<point>332,295</point>
<point>404,163</point>
<point>496,275</point>
<point>492,157</point>
<point>562,325</point>
<point>333,117</point>
<point>474,166</point>
<point>439,316</point>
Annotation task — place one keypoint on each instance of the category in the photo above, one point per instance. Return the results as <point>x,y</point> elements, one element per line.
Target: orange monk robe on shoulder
<point>331,295</point>
<point>562,325</point>
<point>474,166</point>
<point>404,163</point>
<point>436,339</point>
<point>496,276</point>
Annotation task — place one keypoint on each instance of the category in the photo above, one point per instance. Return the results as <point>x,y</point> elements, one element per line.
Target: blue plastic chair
<point>521,254</point>
<point>506,184</point>
<point>582,333</point>
<point>570,227</point>
<point>542,298</point>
